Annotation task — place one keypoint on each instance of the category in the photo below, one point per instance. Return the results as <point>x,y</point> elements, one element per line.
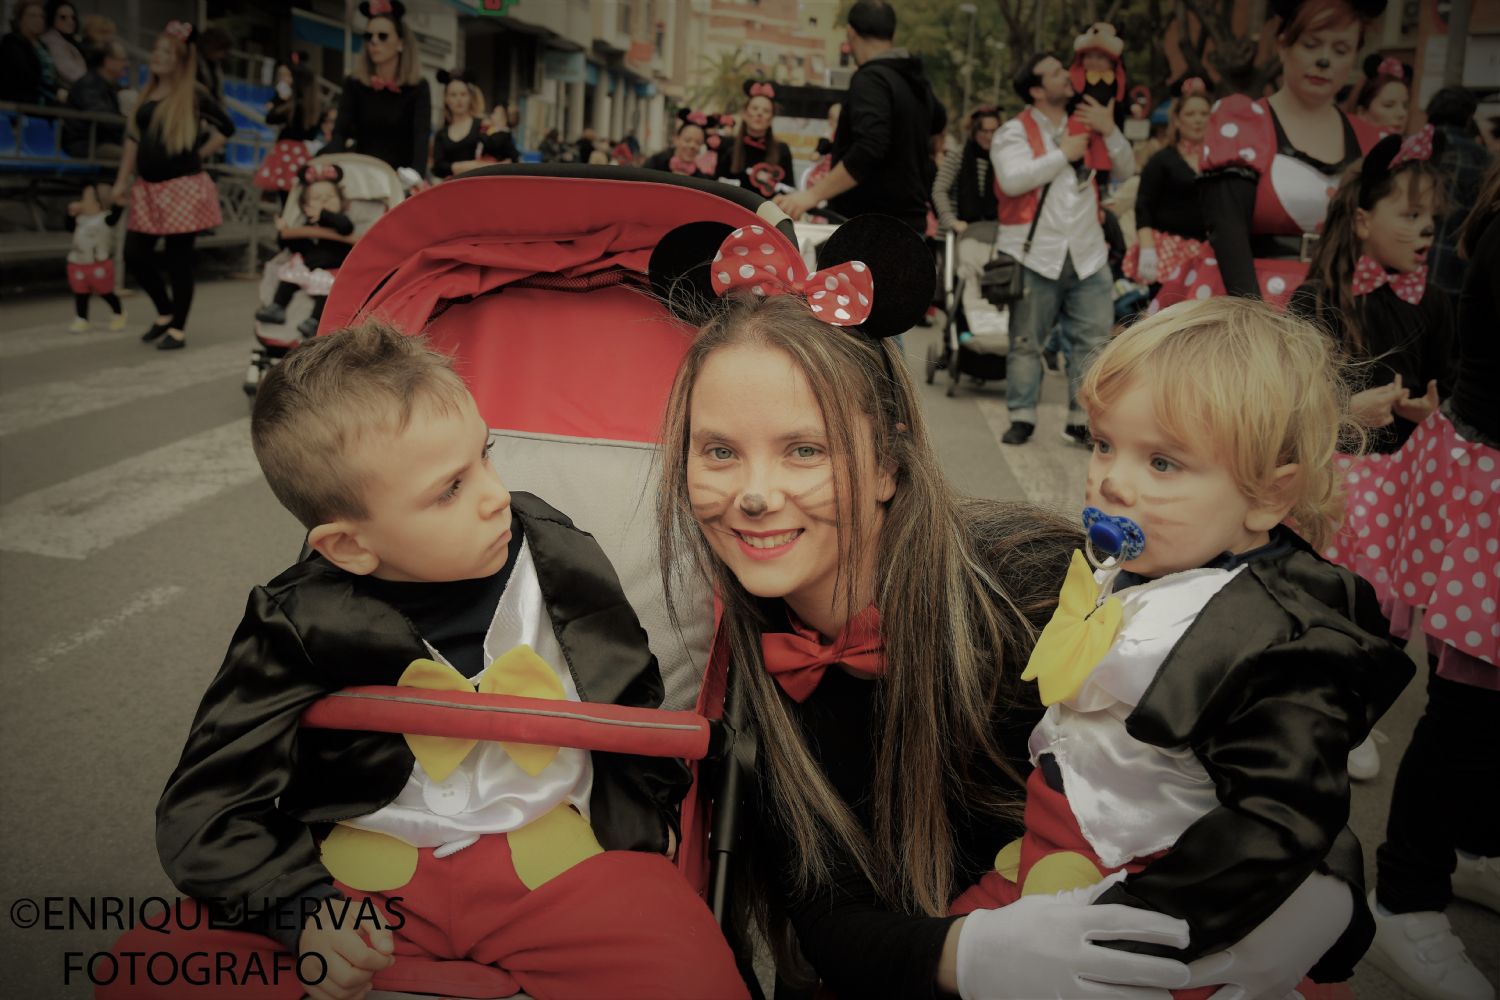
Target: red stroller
<point>534,278</point>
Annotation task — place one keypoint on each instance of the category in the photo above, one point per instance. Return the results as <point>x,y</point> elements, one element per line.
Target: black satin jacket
<point>238,823</point>
<point>1284,671</point>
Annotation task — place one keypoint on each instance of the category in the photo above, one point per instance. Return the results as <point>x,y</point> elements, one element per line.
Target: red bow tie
<point>1369,275</point>
<point>766,262</point>
<point>683,166</point>
<point>798,661</point>
<point>377,83</point>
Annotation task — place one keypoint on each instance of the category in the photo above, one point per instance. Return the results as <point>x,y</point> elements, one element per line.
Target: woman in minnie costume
<point>1384,98</point>
<point>386,109</point>
<point>1269,166</point>
<point>1169,227</point>
<point>876,626</point>
<point>458,145</point>
<point>172,198</point>
<point>754,157</point>
<point>682,157</point>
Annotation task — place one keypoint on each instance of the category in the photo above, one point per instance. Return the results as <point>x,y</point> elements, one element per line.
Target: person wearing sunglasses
<point>385,110</point>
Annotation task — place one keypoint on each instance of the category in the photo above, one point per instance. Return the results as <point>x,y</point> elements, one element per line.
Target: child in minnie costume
<point>91,267</point>
<point>1206,684</point>
<point>688,143</point>
<point>318,246</point>
<point>1098,72</point>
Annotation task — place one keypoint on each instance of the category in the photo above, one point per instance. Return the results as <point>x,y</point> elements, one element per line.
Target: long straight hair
<point>737,159</point>
<point>307,107</point>
<point>953,637</point>
<point>174,120</point>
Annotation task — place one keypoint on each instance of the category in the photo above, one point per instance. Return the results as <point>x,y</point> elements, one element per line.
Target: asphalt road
<point>133,521</point>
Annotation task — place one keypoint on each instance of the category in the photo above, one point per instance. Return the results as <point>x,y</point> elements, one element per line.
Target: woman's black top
<point>663,161</point>
<point>447,151</point>
<point>20,70</point>
<point>501,146</point>
<point>153,163</point>
<point>288,115</point>
<point>1166,201</point>
<point>1478,366</point>
<point>391,125</point>
<point>755,152</point>
<point>1415,342</point>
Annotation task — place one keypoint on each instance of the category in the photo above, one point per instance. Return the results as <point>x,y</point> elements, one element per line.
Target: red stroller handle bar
<point>472,715</point>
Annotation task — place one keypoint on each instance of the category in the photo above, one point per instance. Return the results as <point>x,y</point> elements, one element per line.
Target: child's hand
<point>1420,408</point>
<point>280,224</point>
<point>1373,407</point>
<point>351,961</point>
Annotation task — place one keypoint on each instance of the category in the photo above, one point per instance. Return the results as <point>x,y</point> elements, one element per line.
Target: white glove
<point>409,177</point>
<point>1145,265</point>
<point>1041,947</point>
<point>1269,962</point>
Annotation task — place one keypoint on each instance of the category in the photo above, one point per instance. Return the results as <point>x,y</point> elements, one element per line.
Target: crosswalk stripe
<point>57,339</point>
<point>147,600</point>
<point>1051,475</point>
<point>90,512</point>
<point>37,405</point>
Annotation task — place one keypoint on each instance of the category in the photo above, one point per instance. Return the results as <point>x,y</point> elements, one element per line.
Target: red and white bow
<point>696,118</point>
<point>380,8</point>
<point>766,263</point>
<point>762,90</point>
<point>688,167</point>
<point>1391,66</point>
<point>1369,275</point>
<point>1416,147</point>
<point>1194,85</point>
<point>180,30</point>
<point>380,83</point>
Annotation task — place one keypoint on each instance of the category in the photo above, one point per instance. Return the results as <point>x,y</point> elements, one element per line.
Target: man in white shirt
<point>1066,271</point>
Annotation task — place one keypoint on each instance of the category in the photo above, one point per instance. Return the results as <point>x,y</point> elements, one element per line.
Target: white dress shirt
<point>1070,217</point>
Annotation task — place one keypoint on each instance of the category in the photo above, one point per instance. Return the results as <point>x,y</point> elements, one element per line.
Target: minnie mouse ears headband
<point>1366,9</point>
<point>1193,86</point>
<point>1388,155</point>
<point>447,76</point>
<point>874,277</point>
<point>1377,65</point>
<point>393,9</point>
<point>760,88</point>
<point>315,172</point>
<point>182,31</point>
<point>687,116</point>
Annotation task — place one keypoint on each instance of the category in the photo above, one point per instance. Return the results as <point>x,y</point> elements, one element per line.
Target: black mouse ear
<point>444,77</point>
<point>1371,65</point>
<point>680,269</point>
<point>901,267</point>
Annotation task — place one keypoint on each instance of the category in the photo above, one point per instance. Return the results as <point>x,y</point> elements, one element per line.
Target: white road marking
<point>157,375</point>
<point>90,512</point>
<point>146,601</point>
<point>58,338</point>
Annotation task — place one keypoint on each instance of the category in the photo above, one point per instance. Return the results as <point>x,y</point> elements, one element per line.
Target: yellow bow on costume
<point>520,672</point>
<point>1076,639</point>
<point>1099,76</point>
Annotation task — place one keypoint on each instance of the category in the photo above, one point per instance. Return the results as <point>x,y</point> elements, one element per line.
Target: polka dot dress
<point>1423,526</point>
<point>282,165</point>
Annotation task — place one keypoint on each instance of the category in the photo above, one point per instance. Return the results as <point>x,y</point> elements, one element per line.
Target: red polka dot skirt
<point>279,170</point>
<point>181,205</point>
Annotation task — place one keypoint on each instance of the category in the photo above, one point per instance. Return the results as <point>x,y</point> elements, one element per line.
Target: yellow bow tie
<point>1100,76</point>
<point>1076,639</point>
<point>519,672</point>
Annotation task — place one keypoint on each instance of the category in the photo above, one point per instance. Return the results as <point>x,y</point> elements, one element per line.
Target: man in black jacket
<point>98,91</point>
<point>882,159</point>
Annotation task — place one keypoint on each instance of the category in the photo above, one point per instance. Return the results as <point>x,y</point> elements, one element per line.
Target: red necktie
<point>798,661</point>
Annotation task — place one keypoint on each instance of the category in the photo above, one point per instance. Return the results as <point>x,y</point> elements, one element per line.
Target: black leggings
<point>140,255</point>
<point>1443,798</point>
<point>81,303</point>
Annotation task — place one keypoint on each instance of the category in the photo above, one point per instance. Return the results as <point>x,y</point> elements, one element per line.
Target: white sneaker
<point>1478,880</point>
<point>1423,955</point>
<point>79,325</point>
<point>1364,760</point>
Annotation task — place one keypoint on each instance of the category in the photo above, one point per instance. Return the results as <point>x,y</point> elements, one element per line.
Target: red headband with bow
<point>180,30</point>
<point>1194,85</point>
<point>762,90</point>
<point>315,172</point>
<point>696,118</point>
<point>1415,148</point>
<point>380,8</point>
<point>1391,66</point>
<point>766,263</point>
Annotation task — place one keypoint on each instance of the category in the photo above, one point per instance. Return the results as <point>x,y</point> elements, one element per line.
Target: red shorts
<point>97,278</point>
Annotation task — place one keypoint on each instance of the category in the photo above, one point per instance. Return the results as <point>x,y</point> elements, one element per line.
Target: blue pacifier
<point>1119,538</point>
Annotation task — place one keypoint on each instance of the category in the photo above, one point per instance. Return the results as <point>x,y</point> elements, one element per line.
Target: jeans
<point>1085,307</point>
<point>1444,797</point>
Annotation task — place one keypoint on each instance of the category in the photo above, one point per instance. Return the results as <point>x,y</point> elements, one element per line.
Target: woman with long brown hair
<point>386,108</point>
<point>876,625</point>
<point>1169,225</point>
<point>754,157</point>
<point>457,146</point>
<point>1269,165</point>
<point>173,198</point>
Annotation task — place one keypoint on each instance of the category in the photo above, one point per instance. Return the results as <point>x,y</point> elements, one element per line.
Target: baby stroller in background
<point>371,188</point>
<point>533,277</point>
<point>981,357</point>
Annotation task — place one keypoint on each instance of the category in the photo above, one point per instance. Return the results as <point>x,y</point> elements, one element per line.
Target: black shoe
<point>157,329</point>
<point>1019,432</point>
<point>1053,359</point>
<point>1077,434</point>
<point>272,313</point>
<point>308,327</point>
<point>170,343</point>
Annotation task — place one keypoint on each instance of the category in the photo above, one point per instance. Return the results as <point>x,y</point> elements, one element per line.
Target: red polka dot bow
<point>380,8</point>
<point>1391,66</point>
<point>1416,147</point>
<point>315,172</point>
<point>761,90</point>
<point>763,261</point>
<point>181,30</point>
<point>1369,275</point>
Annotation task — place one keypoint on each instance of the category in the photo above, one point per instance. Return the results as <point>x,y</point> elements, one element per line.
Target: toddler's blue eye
<point>1160,464</point>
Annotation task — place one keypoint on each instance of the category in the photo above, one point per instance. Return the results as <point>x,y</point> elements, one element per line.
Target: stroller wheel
<point>934,362</point>
<point>252,377</point>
